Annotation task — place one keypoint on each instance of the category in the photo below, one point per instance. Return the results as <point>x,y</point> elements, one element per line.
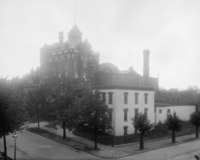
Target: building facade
<point>127,93</point>
<point>182,111</point>
<point>73,58</point>
<point>125,104</point>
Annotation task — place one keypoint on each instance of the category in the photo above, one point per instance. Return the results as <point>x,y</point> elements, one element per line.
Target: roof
<point>119,80</point>
<point>164,104</point>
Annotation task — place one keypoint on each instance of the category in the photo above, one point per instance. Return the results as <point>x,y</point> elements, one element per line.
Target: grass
<point>45,133</point>
<point>52,125</point>
<point>159,131</point>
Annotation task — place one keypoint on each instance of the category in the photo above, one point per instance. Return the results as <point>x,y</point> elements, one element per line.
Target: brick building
<point>73,58</point>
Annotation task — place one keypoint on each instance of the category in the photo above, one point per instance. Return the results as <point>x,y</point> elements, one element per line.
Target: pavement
<point>120,151</point>
<point>31,146</point>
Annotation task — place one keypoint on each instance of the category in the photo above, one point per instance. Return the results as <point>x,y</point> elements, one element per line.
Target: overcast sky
<point>118,29</point>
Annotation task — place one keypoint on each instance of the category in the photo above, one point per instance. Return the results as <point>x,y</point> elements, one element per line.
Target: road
<point>32,146</point>
<point>185,151</point>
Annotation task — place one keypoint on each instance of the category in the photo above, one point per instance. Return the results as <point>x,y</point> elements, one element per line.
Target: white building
<point>127,93</point>
<point>182,111</point>
<point>125,104</point>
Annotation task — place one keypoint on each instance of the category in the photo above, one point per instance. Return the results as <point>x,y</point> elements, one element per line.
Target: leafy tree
<point>195,120</point>
<point>174,124</point>
<point>94,114</point>
<point>64,94</point>
<point>36,101</point>
<point>141,124</point>
<point>11,112</point>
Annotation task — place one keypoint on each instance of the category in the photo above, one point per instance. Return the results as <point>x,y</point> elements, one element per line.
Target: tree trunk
<point>95,138</point>
<point>141,141</point>
<point>197,131</point>
<point>173,136</point>
<point>64,129</point>
<point>5,147</point>
<point>38,121</point>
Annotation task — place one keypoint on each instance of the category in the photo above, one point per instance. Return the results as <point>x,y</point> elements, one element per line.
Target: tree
<point>11,112</point>
<point>141,124</point>
<point>174,124</point>
<point>64,94</point>
<point>36,100</point>
<point>94,114</point>
<point>195,120</point>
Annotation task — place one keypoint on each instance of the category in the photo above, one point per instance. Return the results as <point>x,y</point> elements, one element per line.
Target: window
<point>104,96</point>
<point>136,98</point>
<point>145,112</point>
<point>125,97</point>
<point>125,130</point>
<point>110,97</point>
<point>136,112</point>
<point>125,114</point>
<point>160,110</point>
<point>110,111</point>
<point>145,98</point>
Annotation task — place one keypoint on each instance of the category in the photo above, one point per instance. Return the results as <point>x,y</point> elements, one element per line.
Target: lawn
<point>159,131</point>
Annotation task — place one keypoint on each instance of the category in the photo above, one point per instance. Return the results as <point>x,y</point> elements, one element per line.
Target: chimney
<point>146,63</point>
<point>61,37</point>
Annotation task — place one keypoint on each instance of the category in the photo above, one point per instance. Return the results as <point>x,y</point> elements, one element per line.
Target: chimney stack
<point>146,63</point>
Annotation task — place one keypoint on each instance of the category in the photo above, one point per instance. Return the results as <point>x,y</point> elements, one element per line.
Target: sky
<point>118,29</point>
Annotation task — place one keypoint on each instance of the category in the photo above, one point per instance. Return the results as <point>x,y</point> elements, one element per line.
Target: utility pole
<point>15,137</point>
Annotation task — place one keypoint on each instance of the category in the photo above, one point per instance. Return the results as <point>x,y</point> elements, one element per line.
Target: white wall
<point>118,107</point>
<point>183,112</point>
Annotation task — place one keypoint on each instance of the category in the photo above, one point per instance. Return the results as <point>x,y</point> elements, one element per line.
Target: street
<point>32,146</point>
<point>185,151</point>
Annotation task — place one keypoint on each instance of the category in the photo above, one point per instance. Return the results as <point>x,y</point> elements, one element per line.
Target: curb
<point>73,146</point>
<point>117,157</point>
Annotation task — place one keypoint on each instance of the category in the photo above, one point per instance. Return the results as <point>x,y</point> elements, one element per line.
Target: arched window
<point>125,97</point>
<point>145,98</point>
<point>125,130</point>
<point>136,112</point>
<point>125,114</point>
<point>136,97</point>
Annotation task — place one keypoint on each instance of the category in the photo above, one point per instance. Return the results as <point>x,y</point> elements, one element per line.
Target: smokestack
<point>61,37</point>
<point>146,63</point>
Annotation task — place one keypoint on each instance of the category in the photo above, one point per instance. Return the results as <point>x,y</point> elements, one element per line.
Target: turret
<point>74,36</point>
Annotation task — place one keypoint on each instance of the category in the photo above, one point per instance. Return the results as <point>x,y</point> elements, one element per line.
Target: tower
<point>74,37</point>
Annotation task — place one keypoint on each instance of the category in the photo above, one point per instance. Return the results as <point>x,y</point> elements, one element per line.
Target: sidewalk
<point>117,151</point>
